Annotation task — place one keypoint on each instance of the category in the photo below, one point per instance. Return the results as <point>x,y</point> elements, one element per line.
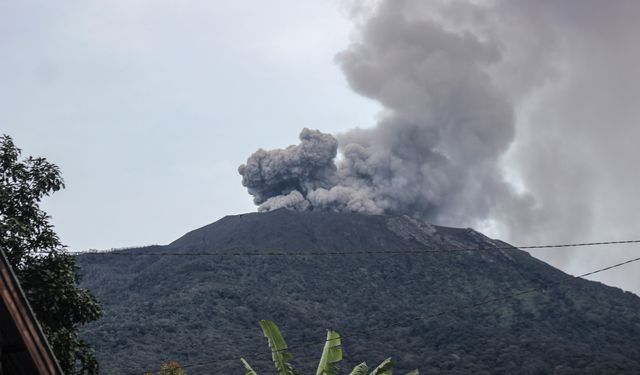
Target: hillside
<point>197,308</point>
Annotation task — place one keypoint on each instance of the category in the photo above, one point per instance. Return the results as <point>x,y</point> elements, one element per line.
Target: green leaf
<point>360,369</point>
<point>331,354</point>
<point>384,368</point>
<point>48,275</point>
<point>414,372</point>
<point>248,367</point>
<point>281,356</point>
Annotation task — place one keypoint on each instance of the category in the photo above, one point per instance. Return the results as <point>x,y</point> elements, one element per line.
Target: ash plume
<point>435,150</point>
<point>273,177</point>
<point>517,117</point>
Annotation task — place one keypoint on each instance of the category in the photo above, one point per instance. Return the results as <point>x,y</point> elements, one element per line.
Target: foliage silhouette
<point>48,275</point>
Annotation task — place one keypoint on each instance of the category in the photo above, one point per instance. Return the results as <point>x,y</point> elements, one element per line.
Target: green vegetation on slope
<point>197,309</point>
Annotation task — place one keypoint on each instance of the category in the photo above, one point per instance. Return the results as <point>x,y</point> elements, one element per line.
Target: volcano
<point>393,286</point>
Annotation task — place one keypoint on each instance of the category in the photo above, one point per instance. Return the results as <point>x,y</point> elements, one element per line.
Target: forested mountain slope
<point>198,308</point>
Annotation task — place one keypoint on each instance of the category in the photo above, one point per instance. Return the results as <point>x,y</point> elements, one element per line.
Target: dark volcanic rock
<point>200,308</point>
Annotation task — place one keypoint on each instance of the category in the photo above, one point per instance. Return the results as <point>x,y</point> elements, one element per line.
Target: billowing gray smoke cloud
<point>434,153</point>
<point>544,92</point>
<point>281,178</point>
<point>304,177</point>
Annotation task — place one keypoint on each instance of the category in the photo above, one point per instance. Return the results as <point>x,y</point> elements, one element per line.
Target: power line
<point>357,252</point>
<point>450,311</point>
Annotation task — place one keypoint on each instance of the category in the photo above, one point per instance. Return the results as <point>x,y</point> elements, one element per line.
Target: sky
<point>149,107</point>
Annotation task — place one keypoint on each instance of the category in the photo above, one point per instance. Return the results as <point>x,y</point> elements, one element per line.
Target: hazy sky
<point>149,107</point>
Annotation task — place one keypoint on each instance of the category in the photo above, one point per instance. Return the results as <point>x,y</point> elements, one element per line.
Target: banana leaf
<point>361,369</point>
<point>248,367</point>
<point>281,356</point>
<point>384,368</point>
<point>331,355</point>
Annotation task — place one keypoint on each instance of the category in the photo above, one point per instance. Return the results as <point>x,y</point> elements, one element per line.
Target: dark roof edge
<point>34,338</point>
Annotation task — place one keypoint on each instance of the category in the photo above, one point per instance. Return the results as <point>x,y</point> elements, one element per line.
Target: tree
<point>328,365</point>
<point>169,368</point>
<point>47,273</point>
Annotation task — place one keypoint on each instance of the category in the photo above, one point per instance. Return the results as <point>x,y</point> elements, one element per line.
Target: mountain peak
<point>287,230</point>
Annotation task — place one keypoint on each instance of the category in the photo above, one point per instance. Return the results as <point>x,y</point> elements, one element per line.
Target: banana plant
<point>328,365</point>
<point>281,356</point>
<point>331,355</point>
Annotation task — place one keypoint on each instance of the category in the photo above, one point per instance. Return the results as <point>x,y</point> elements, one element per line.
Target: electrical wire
<point>357,252</point>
